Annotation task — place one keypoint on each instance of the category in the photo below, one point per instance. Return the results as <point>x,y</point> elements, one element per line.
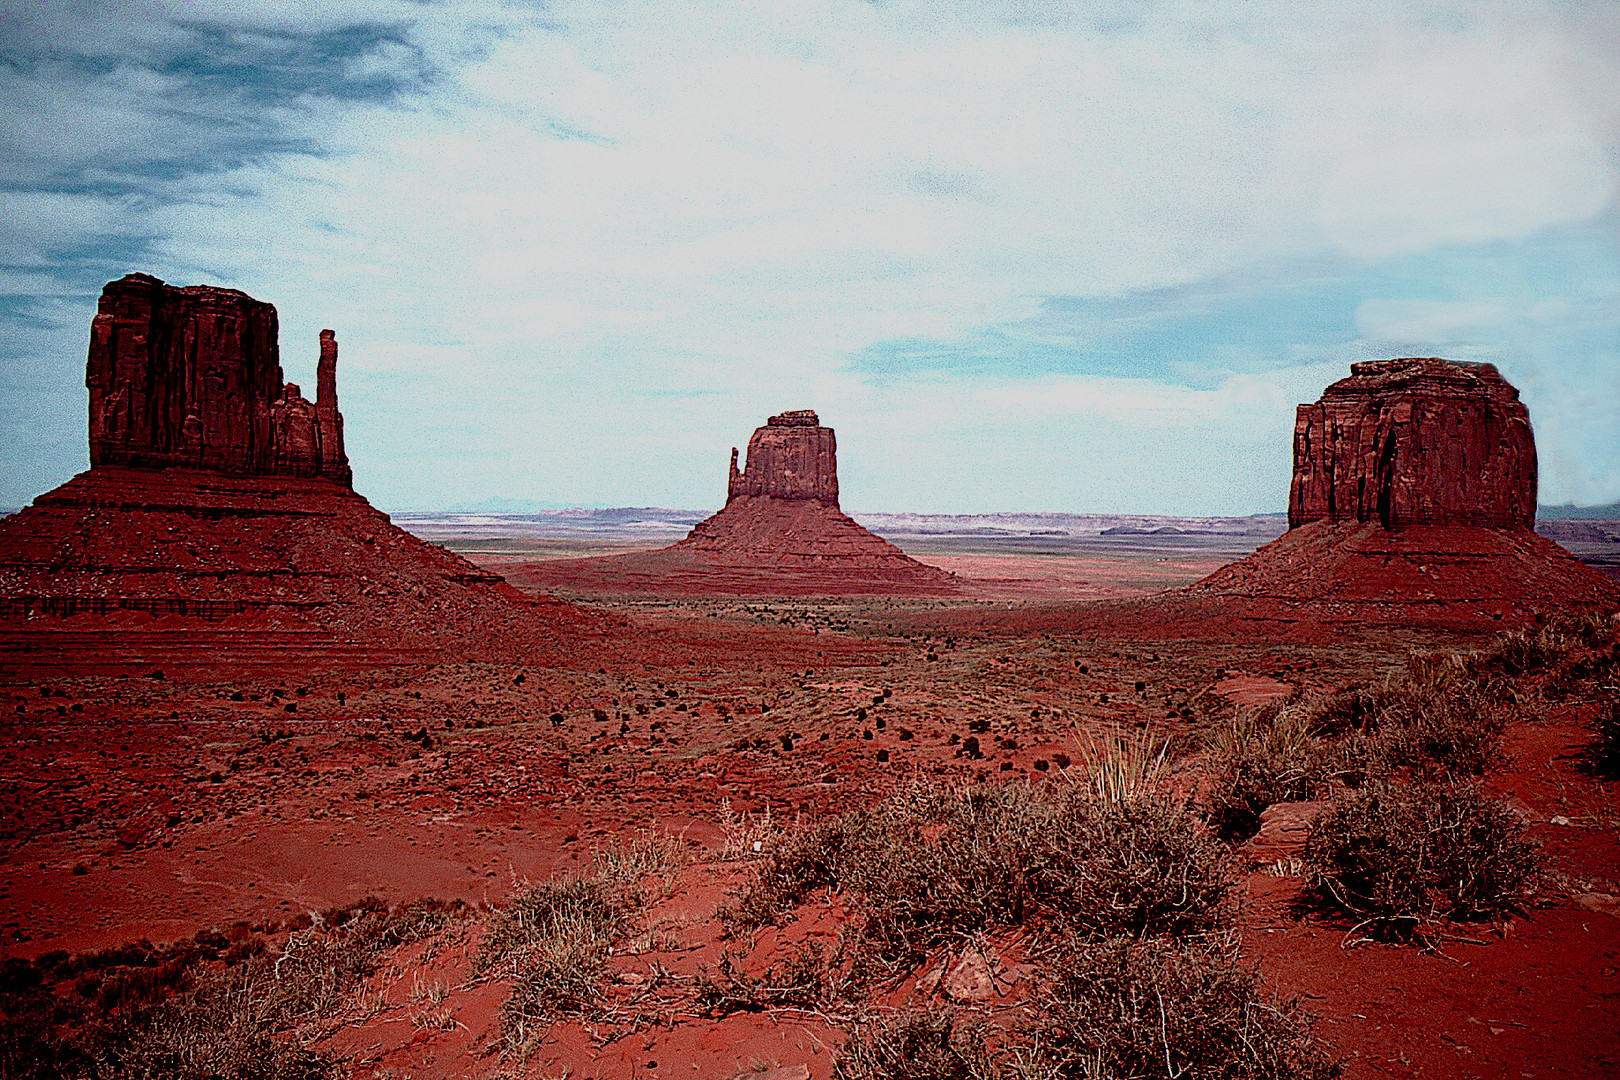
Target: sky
<point>1022,256</point>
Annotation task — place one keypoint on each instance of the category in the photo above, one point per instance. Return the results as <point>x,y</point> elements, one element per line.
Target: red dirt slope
<point>123,569</point>
<point>1336,577</point>
<point>757,546</point>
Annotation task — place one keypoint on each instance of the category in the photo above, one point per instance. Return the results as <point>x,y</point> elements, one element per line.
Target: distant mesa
<point>217,525</point>
<point>1415,442</point>
<point>1412,503</point>
<point>780,533</point>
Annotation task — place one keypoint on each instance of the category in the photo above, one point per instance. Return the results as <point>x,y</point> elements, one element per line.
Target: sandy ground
<point>139,807</point>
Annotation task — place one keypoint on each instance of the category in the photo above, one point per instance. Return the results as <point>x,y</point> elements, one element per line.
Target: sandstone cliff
<point>1415,442</point>
<point>791,457</point>
<point>191,378</point>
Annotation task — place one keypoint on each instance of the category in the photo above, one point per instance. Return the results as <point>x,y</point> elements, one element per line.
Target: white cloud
<point>593,218</point>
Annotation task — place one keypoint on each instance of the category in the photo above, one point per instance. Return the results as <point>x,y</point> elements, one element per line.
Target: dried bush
<point>1603,752</point>
<point>1119,767</point>
<point>1549,644</point>
<point>915,1046</point>
<point>930,869</point>
<point>219,1006</point>
<point>1140,1008</point>
<point>1458,730</point>
<point>1399,858</point>
<point>552,939</point>
<point>803,980</point>
<point>1264,756</point>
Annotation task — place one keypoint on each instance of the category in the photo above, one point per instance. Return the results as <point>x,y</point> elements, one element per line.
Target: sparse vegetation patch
<point>930,868</point>
<point>1400,858</point>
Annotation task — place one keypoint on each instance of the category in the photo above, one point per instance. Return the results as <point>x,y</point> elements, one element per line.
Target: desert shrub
<point>1118,768</point>
<point>1457,730</point>
<point>1549,644</point>
<point>1142,866</point>
<point>1603,752</point>
<point>552,939</point>
<point>1263,757</point>
<point>927,870</point>
<point>218,1007</point>
<point>802,980</point>
<point>1400,857</point>
<point>915,1046</point>
<point>1140,1008</point>
<point>806,860</point>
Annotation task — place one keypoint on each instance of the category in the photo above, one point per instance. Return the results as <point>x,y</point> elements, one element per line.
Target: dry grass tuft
<point>915,1046</point>
<point>1603,752</point>
<point>232,1008</point>
<point>1264,756</point>
<point>553,939</point>
<point>1121,767</point>
<point>1401,858</point>
<point>1153,1008</point>
<point>925,871</point>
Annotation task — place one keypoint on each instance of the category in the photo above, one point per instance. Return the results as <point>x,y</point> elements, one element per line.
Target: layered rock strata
<point>217,528</point>
<point>1415,442</point>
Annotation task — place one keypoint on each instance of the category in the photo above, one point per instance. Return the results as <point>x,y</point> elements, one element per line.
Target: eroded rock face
<point>191,378</point>
<point>791,457</point>
<point>1415,442</point>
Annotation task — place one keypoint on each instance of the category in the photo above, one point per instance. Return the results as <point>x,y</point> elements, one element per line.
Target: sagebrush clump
<point>931,869</point>
<point>1130,1007</point>
<point>1400,858</point>
<point>916,1046</point>
<point>1263,757</point>
<point>223,1006</point>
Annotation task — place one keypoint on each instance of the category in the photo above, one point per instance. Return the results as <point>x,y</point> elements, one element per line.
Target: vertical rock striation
<point>191,378</point>
<point>1412,504</point>
<point>791,457</point>
<point>1415,442</point>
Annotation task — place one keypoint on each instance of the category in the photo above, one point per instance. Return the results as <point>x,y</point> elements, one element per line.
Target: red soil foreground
<point>143,807</point>
<point>509,739</point>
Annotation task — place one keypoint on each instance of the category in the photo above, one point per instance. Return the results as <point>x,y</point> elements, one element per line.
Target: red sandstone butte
<point>191,377</point>
<point>780,533</point>
<point>217,526</point>
<point>1415,442</point>
<point>791,457</point>
<point>1412,503</point>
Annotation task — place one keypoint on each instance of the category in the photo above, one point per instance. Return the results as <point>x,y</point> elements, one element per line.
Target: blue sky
<point>1022,256</point>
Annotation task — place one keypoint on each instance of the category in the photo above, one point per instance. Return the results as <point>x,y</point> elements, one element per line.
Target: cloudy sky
<point>1021,255</point>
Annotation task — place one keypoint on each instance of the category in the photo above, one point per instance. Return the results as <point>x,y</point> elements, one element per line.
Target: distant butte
<point>217,526</point>
<point>780,533</point>
<point>1412,503</point>
<point>1415,442</point>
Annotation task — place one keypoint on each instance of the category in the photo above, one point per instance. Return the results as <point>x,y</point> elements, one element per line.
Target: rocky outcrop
<point>191,378</point>
<point>780,533</point>
<point>1415,442</point>
<point>217,528</point>
<point>791,457</point>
